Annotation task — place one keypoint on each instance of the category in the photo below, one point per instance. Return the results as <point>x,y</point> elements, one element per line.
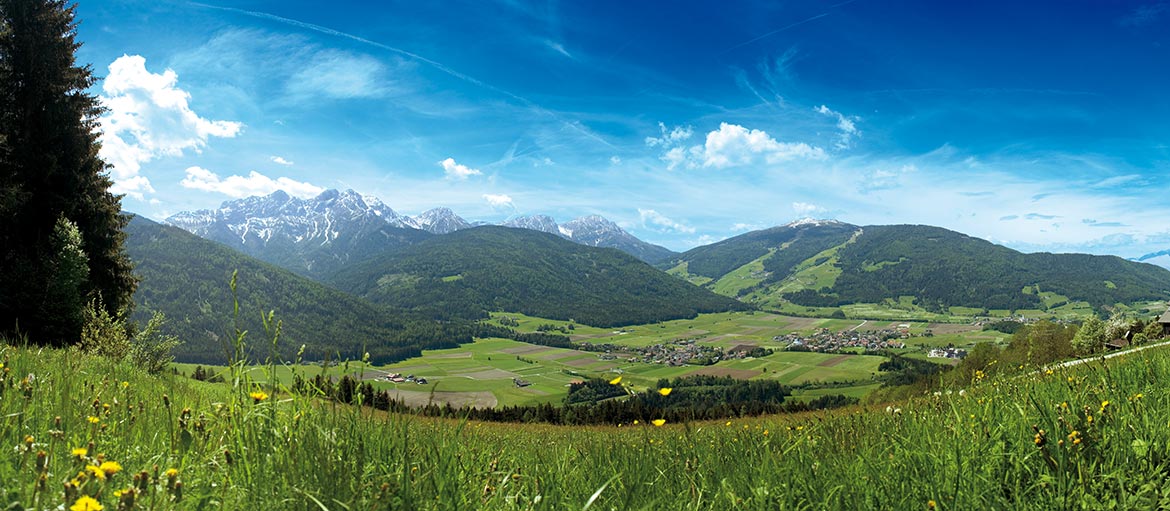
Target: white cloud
<point>732,145</point>
<point>239,186</point>
<point>668,139</point>
<point>735,145</point>
<point>655,220</point>
<point>281,161</point>
<point>846,125</point>
<point>458,171</point>
<point>498,201</point>
<point>147,118</point>
<point>805,209</point>
<point>615,160</point>
<point>340,75</point>
<point>741,227</point>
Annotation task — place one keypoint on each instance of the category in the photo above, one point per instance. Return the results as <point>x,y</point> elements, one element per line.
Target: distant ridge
<point>828,264</point>
<point>468,273</point>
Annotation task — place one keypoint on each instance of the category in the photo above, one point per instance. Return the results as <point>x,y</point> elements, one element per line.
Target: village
<point>676,353</point>
<point>825,341</point>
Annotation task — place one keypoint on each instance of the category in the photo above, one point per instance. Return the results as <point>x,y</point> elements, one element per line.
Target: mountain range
<point>318,236</point>
<point>829,264</point>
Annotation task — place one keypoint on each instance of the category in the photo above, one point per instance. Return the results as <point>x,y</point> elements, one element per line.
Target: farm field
<point>485,373</point>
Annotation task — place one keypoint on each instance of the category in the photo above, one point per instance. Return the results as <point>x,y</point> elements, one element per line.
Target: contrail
<point>437,65</point>
<point>786,27</point>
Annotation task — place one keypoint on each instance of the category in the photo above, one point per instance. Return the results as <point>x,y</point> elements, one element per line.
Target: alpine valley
<point>380,277</point>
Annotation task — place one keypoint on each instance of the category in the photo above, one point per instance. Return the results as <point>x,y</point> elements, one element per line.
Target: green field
<point>483,373</point>
<point>1092,436</point>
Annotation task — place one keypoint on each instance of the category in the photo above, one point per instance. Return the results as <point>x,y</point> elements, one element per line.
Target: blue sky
<point>1041,126</point>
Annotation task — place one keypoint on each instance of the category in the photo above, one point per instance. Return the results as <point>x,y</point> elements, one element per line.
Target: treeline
<point>531,272</point>
<point>690,399</point>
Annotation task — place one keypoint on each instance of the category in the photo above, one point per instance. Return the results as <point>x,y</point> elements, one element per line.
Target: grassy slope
<point>978,450</point>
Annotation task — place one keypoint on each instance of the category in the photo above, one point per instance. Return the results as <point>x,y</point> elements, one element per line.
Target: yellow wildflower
<point>86,503</point>
<point>259,396</point>
<point>28,440</point>
<point>97,472</point>
<point>930,504</point>
<point>125,384</point>
<point>665,391</point>
<point>658,422</point>
<point>80,452</point>
<point>93,420</point>
<point>635,422</point>
<point>110,468</point>
<point>615,381</point>
<point>172,473</point>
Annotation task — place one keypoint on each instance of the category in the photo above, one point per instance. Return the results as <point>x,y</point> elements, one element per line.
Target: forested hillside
<point>187,278</point>
<point>470,272</point>
<point>948,268</point>
<point>798,242</point>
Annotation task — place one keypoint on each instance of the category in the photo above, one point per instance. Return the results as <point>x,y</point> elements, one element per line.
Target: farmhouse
<point>1165,321</point>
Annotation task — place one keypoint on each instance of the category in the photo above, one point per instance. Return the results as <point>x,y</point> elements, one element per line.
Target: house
<point>1165,322</point>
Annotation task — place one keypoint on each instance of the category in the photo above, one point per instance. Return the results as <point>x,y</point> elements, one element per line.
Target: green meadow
<point>485,372</point>
<point>82,429</point>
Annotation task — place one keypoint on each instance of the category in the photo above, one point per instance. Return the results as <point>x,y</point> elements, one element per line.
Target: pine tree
<point>50,169</point>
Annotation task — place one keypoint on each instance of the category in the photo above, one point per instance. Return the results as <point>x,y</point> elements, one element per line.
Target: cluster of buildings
<point>948,352</point>
<point>398,378</point>
<point>676,353</point>
<point>826,341</point>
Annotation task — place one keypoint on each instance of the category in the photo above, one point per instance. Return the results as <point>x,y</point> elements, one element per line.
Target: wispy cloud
<point>281,161</point>
<point>571,124</point>
<point>1144,15</point>
<point>652,219</point>
<point>845,125</point>
<point>254,183</point>
<point>340,75</point>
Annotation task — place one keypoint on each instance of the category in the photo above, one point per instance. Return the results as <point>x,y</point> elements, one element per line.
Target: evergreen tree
<point>50,169</point>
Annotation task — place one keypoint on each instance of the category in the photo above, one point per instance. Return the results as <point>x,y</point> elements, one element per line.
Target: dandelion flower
<point>86,503</point>
<point>97,472</point>
<point>615,381</point>
<point>930,504</point>
<point>93,420</point>
<point>172,473</point>
<point>635,422</point>
<point>665,391</point>
<point>110,468</point>
<point>259,396</point>
<point>80,452</point>
<point>658,422</point>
